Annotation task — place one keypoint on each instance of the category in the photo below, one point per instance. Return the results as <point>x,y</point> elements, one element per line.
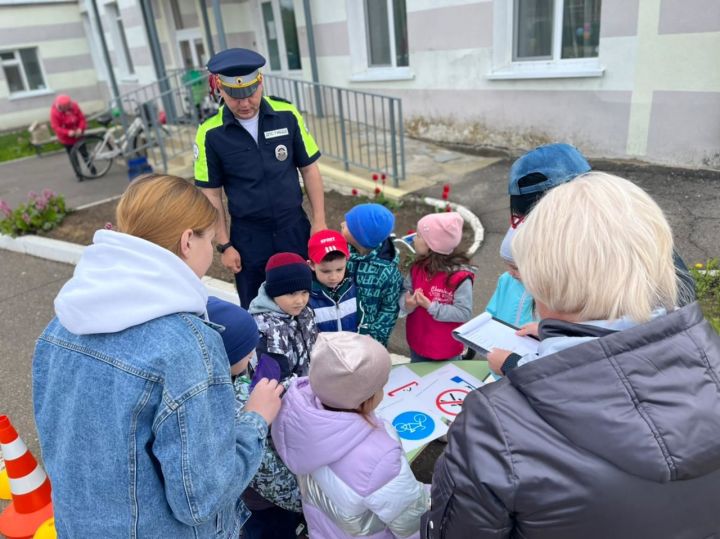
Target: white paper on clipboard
<point>483,333</point>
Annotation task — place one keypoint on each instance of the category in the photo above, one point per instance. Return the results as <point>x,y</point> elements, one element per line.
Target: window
<point>282,40</point>
<point>378,35</point>
<point>122,51</point>
<point>546,38</point>
<point>386,24</point>
<point>22,70</point>
<point>177,15</point>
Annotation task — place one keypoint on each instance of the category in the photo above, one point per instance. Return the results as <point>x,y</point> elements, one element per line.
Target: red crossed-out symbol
<point>450,401</point>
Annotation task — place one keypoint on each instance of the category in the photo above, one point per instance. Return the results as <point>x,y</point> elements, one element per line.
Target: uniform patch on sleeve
<point>196,152</point>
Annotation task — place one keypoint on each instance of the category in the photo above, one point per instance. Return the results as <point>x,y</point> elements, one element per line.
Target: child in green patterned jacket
<point>373,265</point>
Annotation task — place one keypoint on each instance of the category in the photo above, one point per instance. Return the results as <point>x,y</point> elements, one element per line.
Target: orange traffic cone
<point>30,487</point>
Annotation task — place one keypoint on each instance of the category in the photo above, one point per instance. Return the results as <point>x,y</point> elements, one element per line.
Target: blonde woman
<point>613,429</point>
<point>133,399</point>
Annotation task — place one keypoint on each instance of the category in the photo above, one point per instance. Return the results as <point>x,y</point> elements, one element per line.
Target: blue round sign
<point>414,425</point>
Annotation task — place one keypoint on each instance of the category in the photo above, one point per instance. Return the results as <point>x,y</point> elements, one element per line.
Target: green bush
<point>42,211</point>
<point>707,285</point>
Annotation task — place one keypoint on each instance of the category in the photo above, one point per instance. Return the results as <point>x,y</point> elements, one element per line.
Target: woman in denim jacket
<point>133,399</point>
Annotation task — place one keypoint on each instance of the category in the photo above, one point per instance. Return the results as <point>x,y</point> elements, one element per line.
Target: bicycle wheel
<point>92,157</point>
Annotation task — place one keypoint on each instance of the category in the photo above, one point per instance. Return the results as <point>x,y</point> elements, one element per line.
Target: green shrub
<point>42,211</point>
<point>707,285</point>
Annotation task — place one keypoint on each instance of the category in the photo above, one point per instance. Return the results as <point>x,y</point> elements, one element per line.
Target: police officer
<point>252,149</point>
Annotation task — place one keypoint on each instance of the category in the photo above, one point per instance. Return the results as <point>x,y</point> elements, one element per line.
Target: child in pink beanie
<point>438,290</point>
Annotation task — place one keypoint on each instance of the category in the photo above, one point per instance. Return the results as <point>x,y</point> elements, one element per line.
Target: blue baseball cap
<point>558,163</point>
<point>238,71</point>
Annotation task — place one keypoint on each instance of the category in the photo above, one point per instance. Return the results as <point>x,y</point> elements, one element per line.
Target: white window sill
<point>130,79</point>
<point>31,93</point>
<point>546,71</point>
<point>383,74</point>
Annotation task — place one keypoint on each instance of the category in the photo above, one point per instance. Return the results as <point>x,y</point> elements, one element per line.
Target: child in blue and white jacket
<point>333,297</point>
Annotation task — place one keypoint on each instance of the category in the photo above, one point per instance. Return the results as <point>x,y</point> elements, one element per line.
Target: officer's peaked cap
<point>238,71</point>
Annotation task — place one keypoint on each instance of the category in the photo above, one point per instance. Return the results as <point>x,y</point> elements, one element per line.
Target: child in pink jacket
<point>353,474</point>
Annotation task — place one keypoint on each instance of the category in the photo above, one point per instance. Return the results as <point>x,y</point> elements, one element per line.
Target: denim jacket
<point>135,407</point>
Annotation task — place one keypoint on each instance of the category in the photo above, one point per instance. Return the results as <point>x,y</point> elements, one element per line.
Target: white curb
<point>49,249</point>
<point>70,253</point>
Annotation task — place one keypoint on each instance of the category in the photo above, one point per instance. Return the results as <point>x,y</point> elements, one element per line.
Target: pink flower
<point>375,177</point>
<point>41,204</point>
<point>32,195</point>
<point>26,218</point>
<point>354,192</point>
<point>108,226</point>
<point>5,208</point>
<point>377,191</point>
<point>47,193</point>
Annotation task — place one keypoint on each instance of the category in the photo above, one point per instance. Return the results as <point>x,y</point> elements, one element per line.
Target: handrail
<point>359,128</point>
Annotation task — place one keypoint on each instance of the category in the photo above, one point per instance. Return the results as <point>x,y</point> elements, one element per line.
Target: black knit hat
<point>286,273</point>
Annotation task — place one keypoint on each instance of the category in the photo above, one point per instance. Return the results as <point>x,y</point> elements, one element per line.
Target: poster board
<point>422,408</point>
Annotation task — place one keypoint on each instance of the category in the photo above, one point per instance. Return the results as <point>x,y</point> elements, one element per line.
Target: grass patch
<point>16,144</point>
<point>707,285</point>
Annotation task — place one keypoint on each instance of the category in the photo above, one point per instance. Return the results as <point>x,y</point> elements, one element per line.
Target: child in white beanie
<point>438,290</point>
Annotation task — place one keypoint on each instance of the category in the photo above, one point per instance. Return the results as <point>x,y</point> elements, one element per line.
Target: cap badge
<point>239,80</point>
<point>281,152</point>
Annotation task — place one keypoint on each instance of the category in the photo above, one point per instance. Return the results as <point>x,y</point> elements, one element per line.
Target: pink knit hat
<point>441,231</point>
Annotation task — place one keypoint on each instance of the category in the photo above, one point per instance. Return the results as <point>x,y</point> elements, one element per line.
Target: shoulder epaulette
<point>276,98</point>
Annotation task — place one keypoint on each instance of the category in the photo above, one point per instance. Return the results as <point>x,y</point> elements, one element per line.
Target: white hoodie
<point>122,281</point>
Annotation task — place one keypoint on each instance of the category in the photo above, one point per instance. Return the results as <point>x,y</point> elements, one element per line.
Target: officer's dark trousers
<point>257,243</point>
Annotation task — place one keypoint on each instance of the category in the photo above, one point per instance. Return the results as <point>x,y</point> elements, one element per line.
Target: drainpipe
<point>206,27</point>
<point>158,61</point>
<point>219,24</point>
<point>313,57</point>
<point>106,54</point>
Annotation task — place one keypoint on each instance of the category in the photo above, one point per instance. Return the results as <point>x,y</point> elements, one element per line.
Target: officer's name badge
<point>277,133</point>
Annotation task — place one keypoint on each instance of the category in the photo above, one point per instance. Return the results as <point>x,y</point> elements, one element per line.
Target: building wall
<point>56,29</point>
<point>657,98</point>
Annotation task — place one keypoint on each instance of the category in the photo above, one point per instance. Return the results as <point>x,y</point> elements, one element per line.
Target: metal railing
<point>360,129</point>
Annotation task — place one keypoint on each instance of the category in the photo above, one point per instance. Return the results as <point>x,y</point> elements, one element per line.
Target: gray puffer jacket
<point>616,438</point>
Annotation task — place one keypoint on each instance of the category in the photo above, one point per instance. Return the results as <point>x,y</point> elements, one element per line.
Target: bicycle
<point>94,154</point>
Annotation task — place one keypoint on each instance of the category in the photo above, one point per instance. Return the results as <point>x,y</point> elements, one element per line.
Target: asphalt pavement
<point>53,171</point>
<point>28,285</point>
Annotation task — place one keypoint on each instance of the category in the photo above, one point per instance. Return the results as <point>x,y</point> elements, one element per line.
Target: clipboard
<point>485,332</point>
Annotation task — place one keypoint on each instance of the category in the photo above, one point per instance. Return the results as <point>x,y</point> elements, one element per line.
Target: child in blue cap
<point>373,265</point>
<point>273,494</point>
<point>531,176</point>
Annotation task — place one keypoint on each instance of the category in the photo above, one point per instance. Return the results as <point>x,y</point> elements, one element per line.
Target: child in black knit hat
<point>287,335</point>
<point>286,324</point>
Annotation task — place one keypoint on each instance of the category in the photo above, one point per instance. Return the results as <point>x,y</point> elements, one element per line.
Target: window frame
<point>121,45</point>
<point>505,67</point>
<point>280,37</point>
<point>17,61</point>
<point>359,41</point>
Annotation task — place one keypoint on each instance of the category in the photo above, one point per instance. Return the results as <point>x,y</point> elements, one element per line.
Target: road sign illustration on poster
<point>450,401</point>
<point>414,425</point>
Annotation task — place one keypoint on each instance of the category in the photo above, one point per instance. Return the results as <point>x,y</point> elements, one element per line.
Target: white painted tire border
<point>467,215</point>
